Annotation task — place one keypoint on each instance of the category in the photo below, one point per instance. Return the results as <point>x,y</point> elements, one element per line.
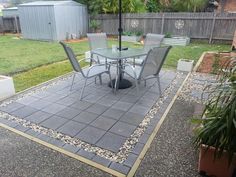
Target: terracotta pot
<point>217,167</point>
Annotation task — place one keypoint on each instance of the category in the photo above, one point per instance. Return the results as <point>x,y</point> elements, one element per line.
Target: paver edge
<point>61,150</point>
<point>152,136</point>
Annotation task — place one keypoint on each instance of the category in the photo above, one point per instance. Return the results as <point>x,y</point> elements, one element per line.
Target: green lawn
<point>41,61</point>
<point>19,55</point>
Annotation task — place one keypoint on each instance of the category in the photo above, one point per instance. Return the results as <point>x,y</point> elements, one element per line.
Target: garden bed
<point>212,62</point>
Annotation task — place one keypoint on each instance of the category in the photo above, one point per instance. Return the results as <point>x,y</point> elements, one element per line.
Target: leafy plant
<point>94,24</point>
<point>153,6</point>
<point>217,127</point>
<point>168,35</point>
<point>188,5</point>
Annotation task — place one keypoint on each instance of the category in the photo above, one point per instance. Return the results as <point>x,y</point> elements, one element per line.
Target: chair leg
<point>72,83</point>
<point>116,83</point>
<point>82,91</point>
<point>111,81</point>
<point>159,85</point>
<point>100,79</point>
<point>145,83</point>
<point>137,86</point>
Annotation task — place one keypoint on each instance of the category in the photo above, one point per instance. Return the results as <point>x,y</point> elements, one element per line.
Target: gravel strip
<point>21,157</point>
<point>171,152</point>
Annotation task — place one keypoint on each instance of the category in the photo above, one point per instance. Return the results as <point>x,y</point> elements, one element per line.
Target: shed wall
<point>71,20</point>
<point>38,22</point>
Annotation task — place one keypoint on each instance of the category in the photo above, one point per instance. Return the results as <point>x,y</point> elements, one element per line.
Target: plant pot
<point>185,65</point>
<point>178,40</point>
<point>6,87</point>
<point>217,167</point>
<point>131,38</point>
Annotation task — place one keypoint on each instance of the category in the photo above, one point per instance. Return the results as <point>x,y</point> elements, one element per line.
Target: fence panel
<point>194,25</point>
<point>9,24</point>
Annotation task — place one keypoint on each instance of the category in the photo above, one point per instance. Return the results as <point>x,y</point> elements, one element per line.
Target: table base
<point>123,84</point>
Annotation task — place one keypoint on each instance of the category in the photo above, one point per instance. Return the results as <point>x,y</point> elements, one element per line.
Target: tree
<point>112,6</point>
<point>188,5</point>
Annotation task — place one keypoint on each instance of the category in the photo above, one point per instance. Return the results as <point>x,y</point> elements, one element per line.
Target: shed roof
<point>51,3</point>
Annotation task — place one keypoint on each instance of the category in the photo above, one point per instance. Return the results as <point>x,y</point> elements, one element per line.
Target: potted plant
<point>130,36</point>
<point>216,133</point>
<point>95,26</point>
<point>175,40</point>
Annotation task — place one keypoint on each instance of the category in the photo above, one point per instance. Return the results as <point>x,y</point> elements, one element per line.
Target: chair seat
<point>95,70</point>
<point>137,69</point>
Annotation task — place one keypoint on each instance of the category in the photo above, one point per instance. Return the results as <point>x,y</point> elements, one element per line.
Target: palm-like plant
<point>218,125</point>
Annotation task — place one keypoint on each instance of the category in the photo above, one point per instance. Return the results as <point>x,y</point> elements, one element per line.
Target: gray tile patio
<point>102,119</point>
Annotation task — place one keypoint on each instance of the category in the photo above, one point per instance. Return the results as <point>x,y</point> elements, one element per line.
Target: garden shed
<point>53,20</point>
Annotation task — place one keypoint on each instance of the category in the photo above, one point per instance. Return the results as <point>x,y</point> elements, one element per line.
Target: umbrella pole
<point>120,30</point>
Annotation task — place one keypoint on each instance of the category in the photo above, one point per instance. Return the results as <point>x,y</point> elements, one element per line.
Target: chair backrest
<point>154,61</point>
<point>97,40</point>
<point>72,58</point>
<point>153,40</point>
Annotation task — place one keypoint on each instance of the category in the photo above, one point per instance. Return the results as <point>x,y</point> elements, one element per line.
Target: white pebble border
<point>123,152</point>
<point>198,82</point>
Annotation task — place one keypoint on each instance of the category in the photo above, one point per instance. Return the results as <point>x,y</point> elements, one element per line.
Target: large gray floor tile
<point>142,110</point>
<point>103,123</point>
<point>111,142</point>
<point>71,128</point>
<point>24,111</point>
<point>54,122</point>
<point>68,112</point>
<point>38,116</point>
<point>81,105</point>
<point>124,106</point>
<point>40,104</point>
<point>113,113</point>
<point>123,129</point>
<point>132,118</point>
<point>11,107</point>
<point>54,108</point>
<point>97,108</point>
<point>85,117</point>
<point>90,134</point>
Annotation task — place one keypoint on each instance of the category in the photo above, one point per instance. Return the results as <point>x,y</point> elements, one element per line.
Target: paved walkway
<point>170,154</point>
<point>108,129</point>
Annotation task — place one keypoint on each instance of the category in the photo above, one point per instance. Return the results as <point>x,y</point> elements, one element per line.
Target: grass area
<point>19,55</point>
<point>42,61</point>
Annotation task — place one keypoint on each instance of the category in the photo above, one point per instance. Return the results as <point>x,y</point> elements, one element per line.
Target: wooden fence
<point>10,24</point>
<point>194,25</point>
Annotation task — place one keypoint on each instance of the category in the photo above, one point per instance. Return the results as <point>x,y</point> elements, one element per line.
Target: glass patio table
<point>119,56</point>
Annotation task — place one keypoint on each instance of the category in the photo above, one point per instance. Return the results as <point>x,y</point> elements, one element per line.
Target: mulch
<point>213,62</point>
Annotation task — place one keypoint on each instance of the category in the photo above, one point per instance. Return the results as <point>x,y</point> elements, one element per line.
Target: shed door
<point>45,23</point>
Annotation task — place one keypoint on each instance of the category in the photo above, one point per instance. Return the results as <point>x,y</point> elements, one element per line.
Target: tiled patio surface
<point>102,120</point>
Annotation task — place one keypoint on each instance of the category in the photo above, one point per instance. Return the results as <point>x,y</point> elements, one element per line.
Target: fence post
<point>17,27</point>
<point>162,23</point>
<point>212,28</point>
